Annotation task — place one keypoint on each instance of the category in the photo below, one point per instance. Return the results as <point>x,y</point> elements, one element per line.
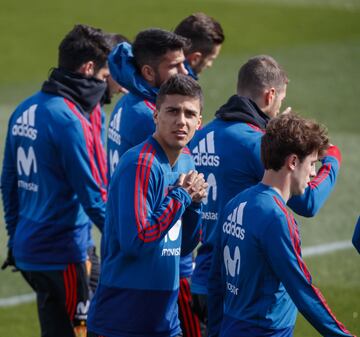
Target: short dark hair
<point>113,39</point>
<point>291,134</point>
<point>152,44</point>
<point>203,31</point>
<point>180,84</point>
<point>83,44</point>
<point>260,73</point>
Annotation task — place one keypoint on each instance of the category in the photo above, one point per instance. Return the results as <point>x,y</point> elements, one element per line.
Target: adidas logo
<point>114,128</point>
<point>232,265</point>
<point>204,153</point>
<point>115,123</point>
<point>233,223</point>
<point>25,124</point>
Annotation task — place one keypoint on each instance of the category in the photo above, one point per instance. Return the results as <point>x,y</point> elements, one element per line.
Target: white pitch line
<point>306,252</point>
<point>16,300</point>
<point>325,248</point>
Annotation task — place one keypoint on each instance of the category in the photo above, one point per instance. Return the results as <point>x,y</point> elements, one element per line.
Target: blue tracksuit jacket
<point>141,246</point>
<point>132,122</point>
<point>52,181</point>
<point>258,277</point>
<point>227,152</point>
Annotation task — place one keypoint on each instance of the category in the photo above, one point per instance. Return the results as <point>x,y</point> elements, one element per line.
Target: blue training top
<point>141,246</point>
<point>227,152</point>
<point>52,181</point>
<point>258,277</point>
<point>131,121</point>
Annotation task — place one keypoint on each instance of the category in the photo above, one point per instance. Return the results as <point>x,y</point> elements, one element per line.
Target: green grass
<point>317,42</point>
<point>20,321</point>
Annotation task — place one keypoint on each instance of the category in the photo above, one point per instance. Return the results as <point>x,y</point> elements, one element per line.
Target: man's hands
<point>194,183</point>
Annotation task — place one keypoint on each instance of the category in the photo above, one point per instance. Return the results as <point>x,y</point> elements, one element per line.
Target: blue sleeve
<point>80,169</point>
<point>284,255</point>
<point>319,189</point>
<point>216,286</point>
<point>191,221</point>
<point>142,214</point>
<point>9,190</point>
<point>103,128</point>
<point>356,236</point>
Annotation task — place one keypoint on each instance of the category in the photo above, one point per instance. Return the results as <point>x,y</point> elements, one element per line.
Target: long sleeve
<point>216,287</point>
<point>191,221</point>
<point>9,190</point>
<point>145,215</point>
<point>79,164</point>
<point>284,255</point>
<point>319,189</point>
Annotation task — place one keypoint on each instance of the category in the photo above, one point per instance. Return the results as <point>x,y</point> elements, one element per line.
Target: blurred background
<point>316,41</point>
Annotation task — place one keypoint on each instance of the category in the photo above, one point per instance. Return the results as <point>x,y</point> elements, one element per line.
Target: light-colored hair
<point>258,74</point>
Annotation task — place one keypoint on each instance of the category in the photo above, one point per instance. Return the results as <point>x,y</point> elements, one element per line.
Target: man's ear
<point>292,161</point>
<point>194,59</point>
<point>148,73</point>
<point>87,69</point>
<point>155,116</point>
<point>198,126</point>
<point>269,95</point>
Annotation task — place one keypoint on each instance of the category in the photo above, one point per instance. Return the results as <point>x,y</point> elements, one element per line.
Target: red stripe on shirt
<point>159,227</point>
<point>150,105</point>
<point>89,140</point>
<point>321,176</point>
<point>296,243</point>
<point>256,128</point>
<point>146,155</point>
<point>145,181</point>
<point>137,188</point>
<point>146,231</point>
<point>95,118</point>
<point>294,239</point>
<point>186,150</point>
<point>323,301</point>
<point>142,171</point>
<point>162,222</point>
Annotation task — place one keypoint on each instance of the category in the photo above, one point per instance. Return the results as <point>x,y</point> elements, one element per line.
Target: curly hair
<point>291,134</point>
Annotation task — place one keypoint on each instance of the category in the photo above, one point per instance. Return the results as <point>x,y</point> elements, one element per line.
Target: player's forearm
<point>191,228</point>
<point>320,188</point>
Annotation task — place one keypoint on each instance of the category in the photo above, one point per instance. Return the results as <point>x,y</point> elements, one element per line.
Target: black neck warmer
<point>244,110</point>
<point>85,92</point>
